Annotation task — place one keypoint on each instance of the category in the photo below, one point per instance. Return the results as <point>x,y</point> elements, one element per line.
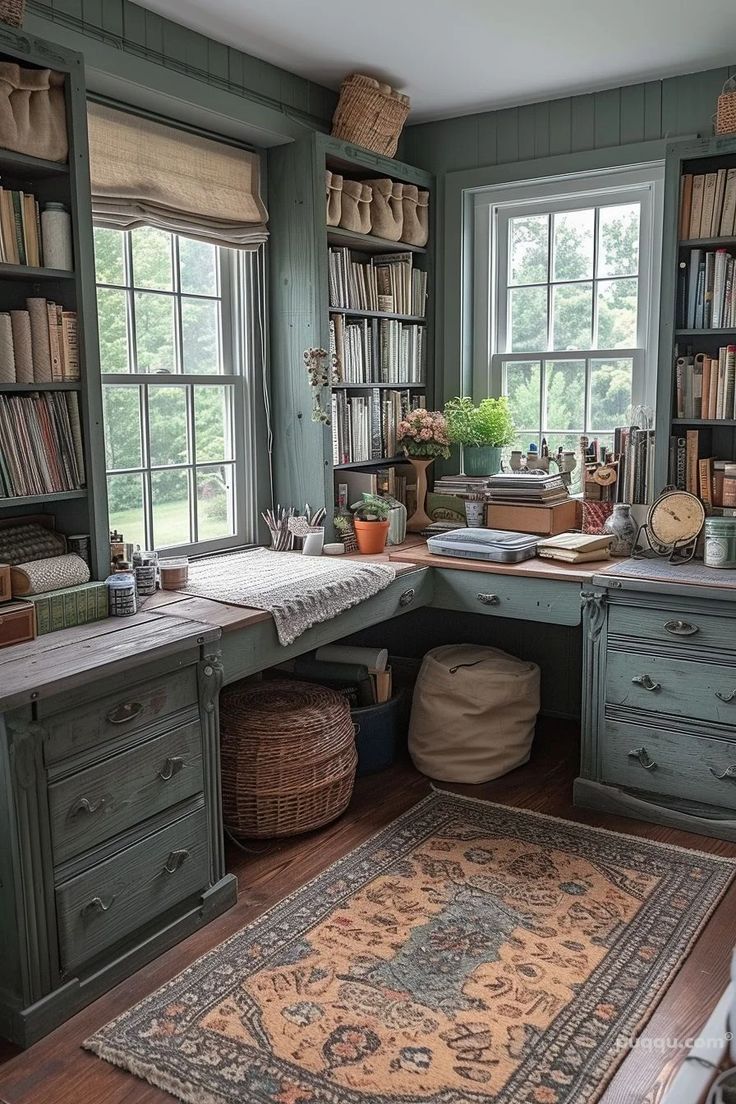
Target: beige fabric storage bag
<point>473,713</point>
<point>32,111</point>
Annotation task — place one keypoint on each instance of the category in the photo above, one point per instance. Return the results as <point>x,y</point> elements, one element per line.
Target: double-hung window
<point>173,322</point>
<point>566,299</point>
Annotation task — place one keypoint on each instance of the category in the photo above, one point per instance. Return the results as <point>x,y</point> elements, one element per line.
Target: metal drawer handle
<point>124,712</point>
<point>646,682</point>
<point>489,599</point>
<point>643,756</point>
<point>175,860</point>
<point>96,905</point>
<point>725,697</point>
<point>681,628</point>
<point>84,805</point>
<point>171,767</point>
<point>407,597</point>
<point>730,772</point>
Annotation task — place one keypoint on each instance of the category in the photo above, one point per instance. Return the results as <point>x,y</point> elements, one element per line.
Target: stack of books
<point>364,427</point>
<point>20,229</point>
<point>40,444</point>
<point>708,204</point>
<point>575,547</point>
<point>706,385</point>
<point>463,486</point>
<point>527,489</point>
<point>387,282</point>
<point>706,290</point>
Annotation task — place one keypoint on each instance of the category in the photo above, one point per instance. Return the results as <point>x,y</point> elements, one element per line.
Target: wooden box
<point>5,591</point>
<point>547,521</point>
<point>17,623</point>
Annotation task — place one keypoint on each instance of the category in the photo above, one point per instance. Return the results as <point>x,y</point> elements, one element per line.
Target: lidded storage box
<point>473,713</point>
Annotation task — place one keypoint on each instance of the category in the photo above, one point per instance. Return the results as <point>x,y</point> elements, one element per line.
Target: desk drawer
<point>128,710</point>
<point>676,629</point>
<point>116,897</point>
<point>678,687</point>
<point>106,799</point>
<point>498,595</point>
<point>659,761</point>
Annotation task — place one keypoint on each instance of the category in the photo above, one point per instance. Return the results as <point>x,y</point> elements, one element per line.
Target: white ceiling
<point>459,56</point>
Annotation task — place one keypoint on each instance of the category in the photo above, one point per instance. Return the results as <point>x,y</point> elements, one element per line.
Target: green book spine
<point>57,611</point>
<point>70,609</point>
<point>43,616</point>
<point>18,218</point>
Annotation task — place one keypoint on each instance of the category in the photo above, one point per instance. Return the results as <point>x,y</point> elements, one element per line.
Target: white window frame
<point>238,286</point>
<point>495,205</point>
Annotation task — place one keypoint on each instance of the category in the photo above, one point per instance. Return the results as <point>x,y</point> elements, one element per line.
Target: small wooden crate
<point>5,589</point>
<point>17,623</point>
<point>547,521</point>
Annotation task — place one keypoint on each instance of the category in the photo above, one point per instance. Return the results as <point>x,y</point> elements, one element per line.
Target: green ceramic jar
<point>720,542</point>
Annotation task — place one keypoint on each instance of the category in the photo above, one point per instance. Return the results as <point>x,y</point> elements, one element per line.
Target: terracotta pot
<point>371,536</point>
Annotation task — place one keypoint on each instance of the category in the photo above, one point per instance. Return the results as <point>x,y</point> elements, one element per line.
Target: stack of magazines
<point>527,489</point>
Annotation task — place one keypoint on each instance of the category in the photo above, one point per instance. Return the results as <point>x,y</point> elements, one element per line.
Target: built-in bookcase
<point>305,462</point>
<point>82,510</point>
<point>695,294</point>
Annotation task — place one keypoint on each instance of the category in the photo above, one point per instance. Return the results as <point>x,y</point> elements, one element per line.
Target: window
<point>174,373</point>
<point>567,297</point>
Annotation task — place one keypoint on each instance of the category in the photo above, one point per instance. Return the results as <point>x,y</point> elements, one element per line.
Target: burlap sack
<point>32,112</point>
<point>473,713</point>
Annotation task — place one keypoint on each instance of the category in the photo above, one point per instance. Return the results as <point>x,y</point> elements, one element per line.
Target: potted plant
<point>371,523</point>
<point>481,431</point>
<point>422,435</point>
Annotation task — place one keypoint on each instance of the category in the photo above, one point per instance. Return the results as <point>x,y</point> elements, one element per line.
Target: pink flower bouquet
<point>423,434</point>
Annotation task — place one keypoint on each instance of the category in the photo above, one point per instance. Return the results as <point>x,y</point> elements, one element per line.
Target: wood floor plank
<point>57,1071</point>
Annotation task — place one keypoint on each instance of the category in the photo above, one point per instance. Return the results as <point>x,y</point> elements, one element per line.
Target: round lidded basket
<point>288,757</point>
<point>370,114</point>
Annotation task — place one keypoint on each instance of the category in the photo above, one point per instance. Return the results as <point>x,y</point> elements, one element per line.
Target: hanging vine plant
<point>321,375</point>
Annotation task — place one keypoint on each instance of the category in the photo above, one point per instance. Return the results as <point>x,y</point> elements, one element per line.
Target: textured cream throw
<point>300,591</point>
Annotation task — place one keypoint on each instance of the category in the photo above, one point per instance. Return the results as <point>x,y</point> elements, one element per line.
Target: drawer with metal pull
<point>106,799</point>
<point>697,768</point>
<point>129,710</point>
<point>508,596</point>
<point>667,626</point>
<point>111,900</point>
<point>678,687</point>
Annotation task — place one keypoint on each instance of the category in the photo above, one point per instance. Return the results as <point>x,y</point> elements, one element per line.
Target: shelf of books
<point>50,406</point>
<point>698,333</point>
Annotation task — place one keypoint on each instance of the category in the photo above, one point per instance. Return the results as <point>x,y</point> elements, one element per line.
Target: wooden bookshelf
<point>33,272</point>
<point>368,243</point>
<point>350,312</point>
<point>29,388</point>
<point>381,462</point>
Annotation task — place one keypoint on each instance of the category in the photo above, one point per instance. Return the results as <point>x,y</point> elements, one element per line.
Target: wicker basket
<point>726,109</point>
<point>288,757</point>
<point>13,12</point>
<point>370,114</point>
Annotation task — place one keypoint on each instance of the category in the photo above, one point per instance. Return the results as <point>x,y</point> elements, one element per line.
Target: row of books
<point>705,385</point>
<point>397,481</point>
<point>364,427</point>
<point>635,450</point>
<point>706,290</point>
<point>40,344</point>
<point>708,204</point>
<point>40,444</point>
<point>20,228</point>
<point>395,353</point>
<point>387,282</point>
<point>701,476</point>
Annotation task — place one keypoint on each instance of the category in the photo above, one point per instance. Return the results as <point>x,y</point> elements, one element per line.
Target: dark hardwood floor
<point>57,1071</point>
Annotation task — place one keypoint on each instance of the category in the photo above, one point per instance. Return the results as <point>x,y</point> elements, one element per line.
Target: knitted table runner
<point>299,591</point>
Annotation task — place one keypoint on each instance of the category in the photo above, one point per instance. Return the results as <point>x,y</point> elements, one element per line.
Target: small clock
<point>673,525</point>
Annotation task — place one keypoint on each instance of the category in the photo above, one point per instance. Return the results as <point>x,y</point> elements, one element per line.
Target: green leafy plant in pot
<point>371,523</point>
<point>481,430</point>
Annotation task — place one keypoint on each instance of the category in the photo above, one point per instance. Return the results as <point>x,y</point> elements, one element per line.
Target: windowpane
<point>573,245</point>
<point>215,512</point>
<point>523,380</point>
<point>200,336</point>
<point>152,267</point>
<point>565,381</point>
<point>154,332</point>
<point>113,330</point>
<point>197,267</point>
<point>610,392</point>
<point>171,508</point>
<point>122,418</point>
<point>167,425</point>
<point>618,240</point>
<point>528,249</point>
<point>572,316</point>
<point>109,256</point>
<point>212,421</point>
<point>125,507</point>
<point>617,313</point>
<point>527,319</point>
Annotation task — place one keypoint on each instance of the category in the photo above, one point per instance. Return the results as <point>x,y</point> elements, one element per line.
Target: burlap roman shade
<point>148,174</point>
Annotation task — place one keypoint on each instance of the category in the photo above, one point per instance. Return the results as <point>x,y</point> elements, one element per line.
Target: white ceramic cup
<point>474,510</point>
<point>313,542</point>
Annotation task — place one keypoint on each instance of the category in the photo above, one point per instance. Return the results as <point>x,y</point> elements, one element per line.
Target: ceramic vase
<point>482,460</point>
<point>419,520</point>
<point>623,528</point>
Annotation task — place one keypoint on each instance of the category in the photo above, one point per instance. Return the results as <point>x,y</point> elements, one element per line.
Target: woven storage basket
<point>288,757</point>
<point>370,114</point>
<point>13,12</point>
<point>726,109</point>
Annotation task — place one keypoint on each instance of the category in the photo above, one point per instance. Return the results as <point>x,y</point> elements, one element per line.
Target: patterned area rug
<point>468,954</point>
